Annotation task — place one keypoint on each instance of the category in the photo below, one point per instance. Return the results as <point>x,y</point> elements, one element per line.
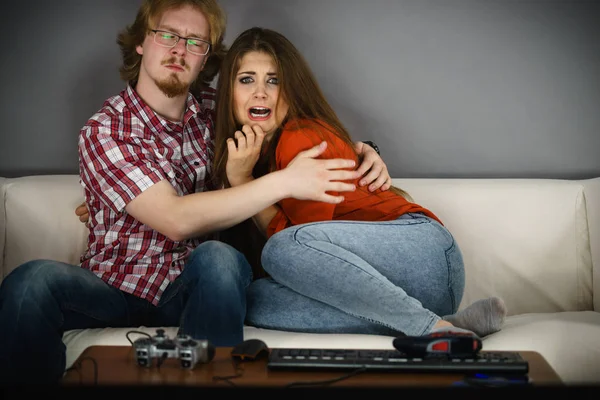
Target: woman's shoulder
<point>306,124</point>
<point>312,129</point>
<point>302,134</point>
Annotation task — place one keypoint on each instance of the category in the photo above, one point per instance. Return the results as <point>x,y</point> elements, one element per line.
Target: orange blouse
<point>359,205</point>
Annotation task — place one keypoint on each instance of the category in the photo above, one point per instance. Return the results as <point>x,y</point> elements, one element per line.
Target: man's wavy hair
<point>151,10</point>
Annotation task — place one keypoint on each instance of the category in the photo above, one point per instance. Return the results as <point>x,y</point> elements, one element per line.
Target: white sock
<point>483,317</point>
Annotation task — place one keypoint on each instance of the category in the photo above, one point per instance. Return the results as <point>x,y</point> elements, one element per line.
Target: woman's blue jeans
<point>383,278</point>
<point>42,299</point>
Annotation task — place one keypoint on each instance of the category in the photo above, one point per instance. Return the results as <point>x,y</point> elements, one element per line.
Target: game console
<point>160,347</point>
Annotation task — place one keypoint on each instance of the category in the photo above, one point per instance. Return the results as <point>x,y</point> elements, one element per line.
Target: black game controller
<point>189,351</point>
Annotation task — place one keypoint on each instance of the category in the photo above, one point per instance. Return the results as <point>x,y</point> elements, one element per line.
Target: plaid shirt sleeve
<point>116,167</point>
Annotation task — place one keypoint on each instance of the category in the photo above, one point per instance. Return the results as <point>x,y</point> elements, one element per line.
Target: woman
<point>375,262</point>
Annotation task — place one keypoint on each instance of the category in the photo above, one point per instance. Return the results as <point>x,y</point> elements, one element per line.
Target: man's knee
<point>219,263</point>
<point>36,272</point>
<point>33,279</point>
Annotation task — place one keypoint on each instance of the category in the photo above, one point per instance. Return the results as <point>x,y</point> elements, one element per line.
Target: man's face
<point>256,93</point>
<point>174,69</point>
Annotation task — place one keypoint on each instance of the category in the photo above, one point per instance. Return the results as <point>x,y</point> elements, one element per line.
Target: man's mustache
<point>174,60</point>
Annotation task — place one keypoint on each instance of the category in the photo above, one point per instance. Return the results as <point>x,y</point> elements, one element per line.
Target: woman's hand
<point>242,157</point>
<point>378,176</point>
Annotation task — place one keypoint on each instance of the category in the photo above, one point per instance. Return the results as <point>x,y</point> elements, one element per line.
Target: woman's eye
<point>246,79</point>
<point>273,81</point>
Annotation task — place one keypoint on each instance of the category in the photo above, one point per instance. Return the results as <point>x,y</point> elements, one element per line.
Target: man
<point>145,162</point>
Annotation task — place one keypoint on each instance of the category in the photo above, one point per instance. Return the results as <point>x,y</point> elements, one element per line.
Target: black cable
<point>140,332</point>
<point>162,359</point>
<point>77,367</point>
<point>326,381</point>
<point>239,371</point>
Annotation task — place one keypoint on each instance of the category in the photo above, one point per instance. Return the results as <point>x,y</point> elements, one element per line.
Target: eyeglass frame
<point>179,37</point>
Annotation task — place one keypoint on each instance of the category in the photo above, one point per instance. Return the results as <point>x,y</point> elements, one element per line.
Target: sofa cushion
<point>525,240</point>
<point>567,340</point>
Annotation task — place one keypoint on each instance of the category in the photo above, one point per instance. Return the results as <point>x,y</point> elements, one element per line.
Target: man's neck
<point>168,108</point>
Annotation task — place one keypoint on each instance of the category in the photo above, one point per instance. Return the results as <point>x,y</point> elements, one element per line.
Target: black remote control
<point>458,346</point>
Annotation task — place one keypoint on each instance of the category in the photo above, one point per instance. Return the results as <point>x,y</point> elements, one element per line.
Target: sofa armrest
<point>41,221</point>
<point>591,190</point>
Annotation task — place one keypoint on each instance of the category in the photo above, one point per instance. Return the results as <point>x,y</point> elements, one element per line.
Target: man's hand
<point>242,158</point>
<point>82,212</point>
<point>310,179</point>
<point>378,176</point>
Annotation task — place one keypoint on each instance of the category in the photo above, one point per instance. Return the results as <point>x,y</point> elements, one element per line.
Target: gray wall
<point>447,88</point>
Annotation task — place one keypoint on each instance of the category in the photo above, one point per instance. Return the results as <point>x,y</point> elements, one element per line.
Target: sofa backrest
<point>532,242</point>
<point>526,240</point>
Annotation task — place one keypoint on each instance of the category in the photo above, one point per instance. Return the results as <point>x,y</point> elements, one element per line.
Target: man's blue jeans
<point>41,299</point>
<point>382,278</point>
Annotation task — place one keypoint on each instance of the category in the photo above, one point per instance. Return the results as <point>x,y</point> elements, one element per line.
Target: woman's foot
<point>483,317</point>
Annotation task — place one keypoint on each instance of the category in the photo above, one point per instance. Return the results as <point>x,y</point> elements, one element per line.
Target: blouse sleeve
<point>293,211</point>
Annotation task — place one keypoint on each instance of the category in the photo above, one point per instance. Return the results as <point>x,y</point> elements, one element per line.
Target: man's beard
<point>172,86</point>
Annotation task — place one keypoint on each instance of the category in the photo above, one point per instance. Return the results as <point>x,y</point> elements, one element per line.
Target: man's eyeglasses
<point>195,46</point>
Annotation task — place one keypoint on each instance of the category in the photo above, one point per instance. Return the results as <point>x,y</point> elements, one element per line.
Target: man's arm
<point>182,217</point>
<point>243,155</point>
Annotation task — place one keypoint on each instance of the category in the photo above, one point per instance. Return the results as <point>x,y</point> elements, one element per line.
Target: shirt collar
<point>151,119</point>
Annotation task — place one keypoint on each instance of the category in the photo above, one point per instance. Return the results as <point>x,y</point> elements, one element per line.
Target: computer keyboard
<point>504,362</point>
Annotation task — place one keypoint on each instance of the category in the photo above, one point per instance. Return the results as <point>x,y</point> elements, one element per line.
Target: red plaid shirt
<point>124,149</point>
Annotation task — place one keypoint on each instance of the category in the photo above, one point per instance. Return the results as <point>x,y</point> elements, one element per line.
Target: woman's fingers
<point>241,140</point>
<point>249,135</point>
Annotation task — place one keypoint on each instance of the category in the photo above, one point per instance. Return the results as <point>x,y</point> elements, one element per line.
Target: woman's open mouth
<point>259,113</point>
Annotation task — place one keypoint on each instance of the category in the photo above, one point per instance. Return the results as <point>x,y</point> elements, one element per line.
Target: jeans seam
<point>448,263</point>
<point>393,222</point>
<point>323,252</point>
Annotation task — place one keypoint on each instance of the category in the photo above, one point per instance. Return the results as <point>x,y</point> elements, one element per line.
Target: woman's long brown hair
<point>305,99</point>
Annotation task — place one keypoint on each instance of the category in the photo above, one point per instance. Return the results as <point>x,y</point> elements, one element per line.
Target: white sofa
<point>533,242</point>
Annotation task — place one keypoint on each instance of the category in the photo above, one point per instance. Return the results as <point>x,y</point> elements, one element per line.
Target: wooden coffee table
<point>116,365</point>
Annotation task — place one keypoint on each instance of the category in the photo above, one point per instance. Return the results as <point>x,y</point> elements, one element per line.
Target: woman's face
<point>256,91</point>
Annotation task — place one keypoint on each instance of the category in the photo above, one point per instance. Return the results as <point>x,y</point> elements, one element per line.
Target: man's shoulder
<point>113,116</point>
